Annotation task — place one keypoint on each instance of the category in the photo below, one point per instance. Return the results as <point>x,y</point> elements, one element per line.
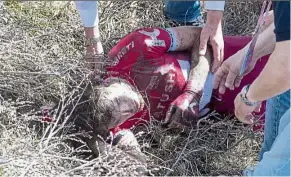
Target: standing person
<point>188,13</point>
<point>273,85</point>
<point>88,11</point>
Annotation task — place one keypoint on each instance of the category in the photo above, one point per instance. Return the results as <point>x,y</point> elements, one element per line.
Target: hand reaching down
<point>227,76</point>
<point>94,54</point>
<point>212,33</point>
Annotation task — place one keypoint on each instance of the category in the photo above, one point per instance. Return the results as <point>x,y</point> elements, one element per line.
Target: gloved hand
<point>184,111</point>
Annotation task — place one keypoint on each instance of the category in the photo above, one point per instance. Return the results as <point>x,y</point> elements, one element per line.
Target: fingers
<point>169,114</point>
<point>175,121</point>
<point>219,75</point>
<point>189,119</point>
<point>217,63</point>
<point>194,109</point>
<point>242,111</point>
<point>230,79</point>
<point>216,55</point>
<point>204,37</point>
<point>237,81</point>
<point>258,108</point>
<point>225,77</point>
<point>221,55</point>
<point>222,87</point>
<point>179,119</point>
<point>248,119</point>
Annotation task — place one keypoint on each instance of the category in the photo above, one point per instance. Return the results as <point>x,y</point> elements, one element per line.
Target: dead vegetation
<point>41,55</point>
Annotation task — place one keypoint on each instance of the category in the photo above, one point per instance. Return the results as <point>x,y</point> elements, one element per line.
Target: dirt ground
<point>41,50</point>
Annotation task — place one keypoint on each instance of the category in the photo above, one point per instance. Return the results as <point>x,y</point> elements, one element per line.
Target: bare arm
<point>199,69</point>
<point>272,81</point>
<point>212,32</point>
<point>228,74</point>
<point>265,42</point>
<point>187,38</point>
<point>275,77</point>
<point>184,110</point>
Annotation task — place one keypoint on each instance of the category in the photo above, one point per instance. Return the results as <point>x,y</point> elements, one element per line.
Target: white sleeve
<point>88,11</point>
<point>214,5</point>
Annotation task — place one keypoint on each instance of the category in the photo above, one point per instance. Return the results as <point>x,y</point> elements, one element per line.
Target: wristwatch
<point>244,98</point>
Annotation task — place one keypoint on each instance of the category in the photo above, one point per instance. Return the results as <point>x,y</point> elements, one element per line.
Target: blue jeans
<point>274,156</point>
<point>275,109</point>
<point>182,11</point>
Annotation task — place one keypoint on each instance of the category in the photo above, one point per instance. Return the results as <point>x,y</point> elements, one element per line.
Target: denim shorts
<point>182,11</point>
<point>274,157</point>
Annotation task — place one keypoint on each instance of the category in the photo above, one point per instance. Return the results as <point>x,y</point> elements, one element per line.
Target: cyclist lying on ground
<point>156,73</point>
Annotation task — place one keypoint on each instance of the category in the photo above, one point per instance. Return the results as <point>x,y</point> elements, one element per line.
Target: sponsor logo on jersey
<point>170,84</point>
<point>154,41</point>
<point>122,52</point>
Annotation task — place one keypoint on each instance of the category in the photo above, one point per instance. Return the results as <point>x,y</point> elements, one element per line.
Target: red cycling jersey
<point>146,59</point>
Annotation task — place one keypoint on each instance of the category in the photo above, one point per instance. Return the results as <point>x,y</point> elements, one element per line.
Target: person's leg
<point>276,161</point>
<point>275,109</point>
<point>88,11</point>
<point>183,12</point>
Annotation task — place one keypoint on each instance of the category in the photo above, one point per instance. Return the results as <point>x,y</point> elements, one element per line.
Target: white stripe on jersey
<point>208,87</point>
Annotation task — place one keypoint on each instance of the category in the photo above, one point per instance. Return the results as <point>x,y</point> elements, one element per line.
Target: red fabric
<point>142,58</point>
<point>232,44</point>
<point>156,73</point>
